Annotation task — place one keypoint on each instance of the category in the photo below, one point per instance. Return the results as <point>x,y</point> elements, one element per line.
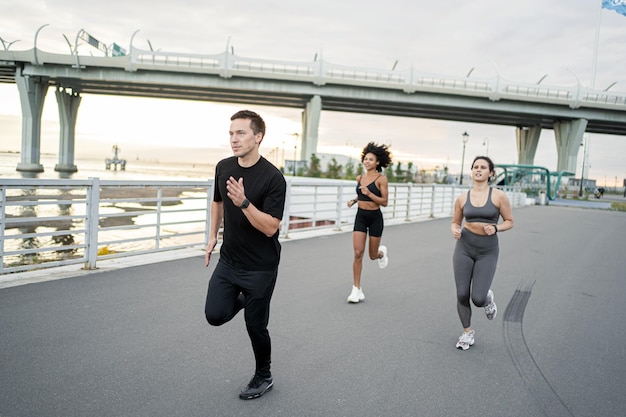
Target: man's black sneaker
<point>256,387</point>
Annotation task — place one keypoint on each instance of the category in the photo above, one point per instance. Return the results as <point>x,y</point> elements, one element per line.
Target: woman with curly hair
<point>372,193</point>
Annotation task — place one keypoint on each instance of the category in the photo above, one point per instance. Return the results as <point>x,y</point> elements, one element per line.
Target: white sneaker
<point>356,295</point>
<point>491,310</point>
<point>384,261</point>
<point>466,340</point>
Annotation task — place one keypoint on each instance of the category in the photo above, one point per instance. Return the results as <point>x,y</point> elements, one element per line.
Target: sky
<point>520,41</point>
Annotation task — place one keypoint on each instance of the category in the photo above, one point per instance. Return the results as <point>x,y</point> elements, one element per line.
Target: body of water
<point>124,222</point>
<point>138,169</point>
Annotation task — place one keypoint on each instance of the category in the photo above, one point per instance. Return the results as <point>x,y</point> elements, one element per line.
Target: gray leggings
<point>474,261</point>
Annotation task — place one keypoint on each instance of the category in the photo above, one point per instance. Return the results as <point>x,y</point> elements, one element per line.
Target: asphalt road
<point>134,341</point>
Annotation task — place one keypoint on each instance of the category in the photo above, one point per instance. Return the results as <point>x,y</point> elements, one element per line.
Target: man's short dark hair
<point>256,122</point>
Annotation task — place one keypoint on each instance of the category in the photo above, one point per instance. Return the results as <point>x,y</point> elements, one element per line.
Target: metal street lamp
<point>582,172</point>
<point>35,48</point>
<point>295,148</point>
<point>465,139</point>
<point>6,45</point>
<point>284,164</point>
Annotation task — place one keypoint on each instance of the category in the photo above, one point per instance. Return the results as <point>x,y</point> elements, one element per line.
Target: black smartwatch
<point>244,204</point>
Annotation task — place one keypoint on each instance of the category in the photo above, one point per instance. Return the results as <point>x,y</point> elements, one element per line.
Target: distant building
<point>588,184</point>
<point>325,160</point>
<point>343,160</point>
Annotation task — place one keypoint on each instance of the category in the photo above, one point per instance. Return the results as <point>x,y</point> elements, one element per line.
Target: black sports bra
<point>371,186</point>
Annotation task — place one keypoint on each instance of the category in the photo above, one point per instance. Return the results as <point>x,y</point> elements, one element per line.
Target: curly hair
<point>382,153</point>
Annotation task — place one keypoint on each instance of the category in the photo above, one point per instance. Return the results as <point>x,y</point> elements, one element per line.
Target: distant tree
<point>409,172</point>
<point>334,169</point>
<point>314,167</point>
<point>444,180</point>
<point>391,177</point>
<point>422,176</point>
<point>399,172</point>
<point>436,175</point>
<point>349,174</point>
<point>359,170</point>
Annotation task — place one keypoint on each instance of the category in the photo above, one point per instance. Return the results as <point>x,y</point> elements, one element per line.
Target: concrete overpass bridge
<point>311,86</point>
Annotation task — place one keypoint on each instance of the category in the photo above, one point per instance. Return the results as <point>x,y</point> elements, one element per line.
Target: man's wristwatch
<point>244,204</point>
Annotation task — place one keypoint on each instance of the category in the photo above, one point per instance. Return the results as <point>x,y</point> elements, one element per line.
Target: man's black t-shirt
<point>244,246</point>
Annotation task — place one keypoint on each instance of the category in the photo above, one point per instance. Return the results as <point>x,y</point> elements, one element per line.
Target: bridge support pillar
<point>527,139</point>
<point>68,103</point>
<point>32,96</point>
<point>569,136</point>
<point>310,128</point>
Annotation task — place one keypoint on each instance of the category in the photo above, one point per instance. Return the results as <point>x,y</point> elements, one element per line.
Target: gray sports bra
<point>488,213</point>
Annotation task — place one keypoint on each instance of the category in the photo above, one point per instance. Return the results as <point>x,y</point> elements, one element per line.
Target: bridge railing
<point>409,80</point>
<point>320,72</point>
<point>49,223</point>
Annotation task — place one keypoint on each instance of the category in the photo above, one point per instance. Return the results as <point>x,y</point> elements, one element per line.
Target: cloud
<point>521,41</point>
<point>524,39</point>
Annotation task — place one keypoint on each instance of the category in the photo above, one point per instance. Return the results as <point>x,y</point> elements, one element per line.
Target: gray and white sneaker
<point>466,340</point>
<point>356,295</point>
<point>384,261</point>
<point>491,310</point>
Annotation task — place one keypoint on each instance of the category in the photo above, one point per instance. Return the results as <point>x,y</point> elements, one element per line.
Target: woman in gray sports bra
<point>476,251</point>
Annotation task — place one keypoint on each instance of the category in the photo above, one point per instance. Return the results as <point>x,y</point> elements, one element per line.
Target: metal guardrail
<point>320,72</point>
<point>49,223</point>
<point>409,80</point>
<point>46,223</point>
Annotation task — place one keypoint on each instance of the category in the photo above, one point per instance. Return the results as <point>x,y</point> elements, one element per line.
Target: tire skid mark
<point>547,398</point>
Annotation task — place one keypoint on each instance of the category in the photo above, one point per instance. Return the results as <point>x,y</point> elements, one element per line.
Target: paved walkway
<point>590,204</point>
<point>134,341</point>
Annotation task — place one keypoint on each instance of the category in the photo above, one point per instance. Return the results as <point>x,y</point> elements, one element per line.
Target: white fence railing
<point>49,223</point>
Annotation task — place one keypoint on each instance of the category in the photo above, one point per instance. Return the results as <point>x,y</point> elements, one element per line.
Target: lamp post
<point>35,48</point>
<point>465,139</point>
<point>295,148</point>
<point>6,45</point>
<point>284,165</point>
<point>486,142</point>
<point>582,172</point>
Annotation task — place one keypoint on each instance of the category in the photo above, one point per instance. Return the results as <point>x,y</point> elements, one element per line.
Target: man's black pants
<point>230,290</point>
